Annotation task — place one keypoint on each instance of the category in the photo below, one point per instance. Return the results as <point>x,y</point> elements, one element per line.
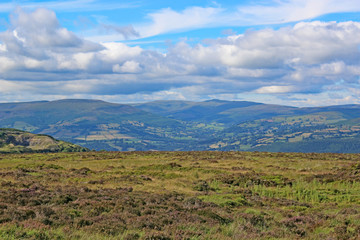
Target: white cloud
<point>309,59</point>
<point>6,64</point>
<point>115,52</point>
<point>38,34</point>
<point>305,43</point>
<point>127,67</point>
<point>275,89</point>
<point>253,13</point>
<point>30,63</point>
<point>83,60</point>
<point>283,11</point>
<point>41,28</point>
<point>168,20</point>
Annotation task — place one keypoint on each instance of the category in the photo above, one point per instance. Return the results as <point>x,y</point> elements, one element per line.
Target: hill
<point>214,111</point>
<point>94,124</point>
<point>235,112</point>
<point>316,132</point>
<point>248,126</point>
<point>16,141</point>
<point>187,126</point>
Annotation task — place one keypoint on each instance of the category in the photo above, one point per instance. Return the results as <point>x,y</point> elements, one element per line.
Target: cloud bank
<point>305,64</point>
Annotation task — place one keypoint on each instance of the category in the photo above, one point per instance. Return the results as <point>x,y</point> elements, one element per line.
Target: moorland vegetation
<point>179,195</point>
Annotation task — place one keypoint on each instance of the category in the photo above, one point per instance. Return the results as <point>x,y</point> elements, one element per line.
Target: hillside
<point>218,111</point>
<point>91,123</point>
<point>316,132</point>
<point>235,112</point>
<point>187,126</point>
<point>179,195</point>
<point>16,141</point>
<point>264,127</point>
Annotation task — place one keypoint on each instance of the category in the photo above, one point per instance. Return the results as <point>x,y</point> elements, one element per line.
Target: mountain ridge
<point>185,125</point>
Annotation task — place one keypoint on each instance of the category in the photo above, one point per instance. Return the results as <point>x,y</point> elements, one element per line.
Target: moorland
<point>179,195</point>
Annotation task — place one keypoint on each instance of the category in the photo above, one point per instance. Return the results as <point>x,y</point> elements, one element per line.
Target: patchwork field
<point>190,126</point>
<point>179,195</point>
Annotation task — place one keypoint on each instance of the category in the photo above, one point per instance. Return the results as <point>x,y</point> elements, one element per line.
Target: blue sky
<point>292,52</point>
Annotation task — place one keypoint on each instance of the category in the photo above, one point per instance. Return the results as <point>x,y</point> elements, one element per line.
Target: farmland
<point>179,195</point>
<point>189,126</point>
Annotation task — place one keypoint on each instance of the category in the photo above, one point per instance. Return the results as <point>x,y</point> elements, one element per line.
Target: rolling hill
<point>17,141</point>
<point>219,111</point>
<point>316,132</point>
<point>235,112</point>
<point>92,123</point>
<point>185,126</point>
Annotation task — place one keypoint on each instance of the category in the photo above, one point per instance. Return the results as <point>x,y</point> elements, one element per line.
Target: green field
<point>179,195</point>
<point>189,126</point>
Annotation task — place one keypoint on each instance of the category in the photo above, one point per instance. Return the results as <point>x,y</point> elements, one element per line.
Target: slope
<point>218,111</point>
<point>17,141</point>
<point>316,132</point>
<point>187,126</point>
<point>91,123</point>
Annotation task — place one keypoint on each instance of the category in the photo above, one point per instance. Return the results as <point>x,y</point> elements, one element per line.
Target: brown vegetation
<point>179,195</point>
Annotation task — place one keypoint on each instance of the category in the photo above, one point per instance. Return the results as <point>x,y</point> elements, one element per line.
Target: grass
<point>179,195</point>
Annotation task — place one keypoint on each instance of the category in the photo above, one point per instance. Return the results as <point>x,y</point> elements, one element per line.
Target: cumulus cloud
<point>308,59</point>
<point>35,41</point>
<point>127,67</point>
<point>34,34</point>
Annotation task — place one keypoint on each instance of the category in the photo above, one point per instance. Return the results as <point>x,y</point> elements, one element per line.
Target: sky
<point>289,52</point>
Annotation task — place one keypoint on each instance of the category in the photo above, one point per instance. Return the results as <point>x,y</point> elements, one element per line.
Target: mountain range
<point>187,126</point>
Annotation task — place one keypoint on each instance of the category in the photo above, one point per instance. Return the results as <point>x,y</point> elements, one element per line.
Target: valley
<point>190,126</point>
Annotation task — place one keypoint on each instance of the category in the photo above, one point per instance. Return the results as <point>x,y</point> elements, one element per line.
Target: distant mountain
<point>218,111</point>
<point>92,123</point>
<point>37,115</point>
<point>186,126</point>
<point>234,112</point>
<point>249,126</point>
<point>16,141</point>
